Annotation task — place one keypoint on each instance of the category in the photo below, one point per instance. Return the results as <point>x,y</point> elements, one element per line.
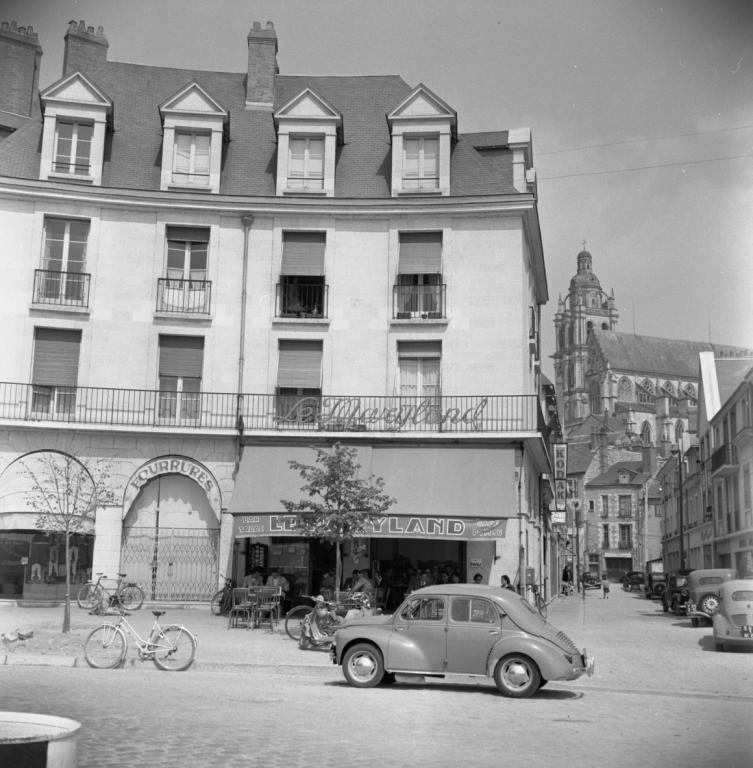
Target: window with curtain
<point>419,372</point>
<point>299,376</point>
<point>72,148</point>
<point>626,536</point>
<point>605,506</point>
<point>55,371</point>
<point>63,261</point>
<point>419,290</point>
<point>186,288</point>
<point>306,164</point>
<point>191,159</point>
<point>181,360</point>
<point>421,164</point>
<point>302,289</point>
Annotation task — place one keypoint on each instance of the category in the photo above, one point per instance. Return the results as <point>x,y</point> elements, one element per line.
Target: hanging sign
<point>560,476</point>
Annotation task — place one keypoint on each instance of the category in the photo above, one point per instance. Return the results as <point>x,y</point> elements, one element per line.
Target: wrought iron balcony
<point>418,302</point>
<point>62,289</point>
<point>724,461</point>
<point>302,299</point>
<point>185,297</point>
<point>270,412</point>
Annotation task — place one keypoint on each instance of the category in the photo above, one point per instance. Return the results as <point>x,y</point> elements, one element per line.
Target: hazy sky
<point>641,113</point>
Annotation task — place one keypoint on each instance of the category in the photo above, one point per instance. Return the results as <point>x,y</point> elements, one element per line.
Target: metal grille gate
<point>172,563</point>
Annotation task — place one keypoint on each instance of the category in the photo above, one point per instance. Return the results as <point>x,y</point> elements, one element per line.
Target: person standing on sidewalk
<point>605,586</point>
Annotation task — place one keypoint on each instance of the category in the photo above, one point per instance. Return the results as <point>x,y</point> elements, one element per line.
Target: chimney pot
<point>100,30</point>
<point>257,25</point>
<point>13,26</point>
<point>270,25</point>
<point>90,30</point>
<point>4,25</point>
<point>22,30</point>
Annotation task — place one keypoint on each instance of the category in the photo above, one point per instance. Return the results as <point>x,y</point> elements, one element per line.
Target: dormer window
<point>76,116</point>
<point>306,164</point>
<point>422,128</point>
<point>308,130</point>
<point>194,126</point>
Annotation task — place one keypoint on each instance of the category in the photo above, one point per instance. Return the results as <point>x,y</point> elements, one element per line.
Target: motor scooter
<point>320,624</point>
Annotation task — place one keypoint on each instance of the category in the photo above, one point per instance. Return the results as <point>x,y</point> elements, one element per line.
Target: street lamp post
<point>678,454</point>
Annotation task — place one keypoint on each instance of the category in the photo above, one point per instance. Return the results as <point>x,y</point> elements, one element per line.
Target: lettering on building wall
<point>179,466</point>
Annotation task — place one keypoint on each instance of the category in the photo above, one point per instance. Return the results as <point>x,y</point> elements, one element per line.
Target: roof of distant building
<point>612,475</point>
<point>730,373</point>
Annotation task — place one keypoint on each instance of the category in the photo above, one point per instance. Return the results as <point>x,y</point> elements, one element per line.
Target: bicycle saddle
<point>159,613</point>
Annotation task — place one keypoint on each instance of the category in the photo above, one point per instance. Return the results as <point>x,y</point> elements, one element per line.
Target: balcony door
<point>186,286</point>
<point>55,372</point>
<point>64,261</point>
<point>181,359</point>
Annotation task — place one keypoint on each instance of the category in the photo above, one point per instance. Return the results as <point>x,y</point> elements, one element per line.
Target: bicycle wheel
<point>175,649</point>
<point>294,620</point>
<point>131,597</point>
<point>215,605</point>
<point>105,647</point>
<point>89,596</point>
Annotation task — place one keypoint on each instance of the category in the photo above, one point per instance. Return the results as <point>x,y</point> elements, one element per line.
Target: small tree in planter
<point>65,494</point>
<point>340,504</point>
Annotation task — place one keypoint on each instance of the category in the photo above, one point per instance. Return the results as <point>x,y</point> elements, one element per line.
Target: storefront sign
<point>560,476</point>
<point>392,526</point>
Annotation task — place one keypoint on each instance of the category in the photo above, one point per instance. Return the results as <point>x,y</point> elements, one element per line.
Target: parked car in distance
<point>733,618</point>
<point>703,592</point>
<point>675,596</point>
<point>459,629</point>
<point>656,583</point>
<point>591,581</point>
<point>633,580</point>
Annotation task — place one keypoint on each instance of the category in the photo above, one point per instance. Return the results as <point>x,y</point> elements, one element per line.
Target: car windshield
<point>741,595</point>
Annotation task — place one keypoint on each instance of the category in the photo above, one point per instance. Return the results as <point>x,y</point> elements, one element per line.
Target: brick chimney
<point>85,49</point>
<point>262,66</point>
<point>20,55</point>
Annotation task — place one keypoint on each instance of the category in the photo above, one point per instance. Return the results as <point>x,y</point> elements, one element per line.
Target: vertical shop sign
<point>560,476</point>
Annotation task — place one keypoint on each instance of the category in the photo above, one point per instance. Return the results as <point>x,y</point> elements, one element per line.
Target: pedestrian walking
<point>605,586</point>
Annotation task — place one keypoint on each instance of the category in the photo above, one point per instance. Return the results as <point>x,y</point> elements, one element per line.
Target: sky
<point>641,114</point>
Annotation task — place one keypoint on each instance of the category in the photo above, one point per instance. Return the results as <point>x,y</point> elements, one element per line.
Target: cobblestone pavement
<point>660,697</point>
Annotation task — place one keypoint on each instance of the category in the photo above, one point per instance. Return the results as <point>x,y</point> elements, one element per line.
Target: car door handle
<point>495,632</point>
<point>400,629</point>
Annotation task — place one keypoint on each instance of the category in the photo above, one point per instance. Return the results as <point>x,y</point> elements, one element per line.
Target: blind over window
<point>181,356</point>
<point>56,357</point>
<point>188,234</point>
<point>420,253</point>
<point>303,253</point>
<point>419,348</point>
<point>300,364</point>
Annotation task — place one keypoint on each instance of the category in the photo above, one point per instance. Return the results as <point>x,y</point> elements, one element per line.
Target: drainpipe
<point>247,224</point>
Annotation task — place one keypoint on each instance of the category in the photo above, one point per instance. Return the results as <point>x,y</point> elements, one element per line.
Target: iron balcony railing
<point>296,299</point>
<point>420,302</point>
<point>186,297</point>
<point>325,413</point>
<point>724,460</point>
<point>64,289</point>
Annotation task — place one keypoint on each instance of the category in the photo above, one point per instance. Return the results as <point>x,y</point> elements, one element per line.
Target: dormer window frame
<point>192,111</point>
<point>75,101</point>
<point>421,115</point>
<point>310,118</point>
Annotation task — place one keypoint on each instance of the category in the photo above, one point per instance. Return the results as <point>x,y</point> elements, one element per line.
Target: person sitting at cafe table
<point>365,584</point>
<point>253,579</point>
<point>276,579</point>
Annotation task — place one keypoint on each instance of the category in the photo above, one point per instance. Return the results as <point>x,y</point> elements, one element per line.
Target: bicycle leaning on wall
<point>171,648</point>
<point>127,595</point>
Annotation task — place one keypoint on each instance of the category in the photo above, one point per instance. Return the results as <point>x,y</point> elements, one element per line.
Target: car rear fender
<point>549,659</point>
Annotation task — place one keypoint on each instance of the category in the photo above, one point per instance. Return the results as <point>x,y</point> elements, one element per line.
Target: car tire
<point>708,603</point>
<point>517,676</point>
<point>719,646</point>
<point>660,589</point>
<point>363,665</point>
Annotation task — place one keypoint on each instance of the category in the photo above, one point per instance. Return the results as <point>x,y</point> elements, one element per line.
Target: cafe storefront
<point>451,517</point>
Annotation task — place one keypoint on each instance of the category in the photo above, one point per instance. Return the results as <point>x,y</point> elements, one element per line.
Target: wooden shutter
<point>303,253</point>
<point>181,356</point>
<point>300,364</point>
<point>420,253</point>
<point>56,357</point>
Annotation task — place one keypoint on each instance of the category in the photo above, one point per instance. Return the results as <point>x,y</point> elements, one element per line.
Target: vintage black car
<point>675,597</point>
<point>656,583</point>
<point>591,581</point>
<point>633,580</point>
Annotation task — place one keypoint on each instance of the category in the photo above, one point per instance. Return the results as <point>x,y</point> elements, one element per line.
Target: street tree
<point>65,493</point>
<point>338,504</point>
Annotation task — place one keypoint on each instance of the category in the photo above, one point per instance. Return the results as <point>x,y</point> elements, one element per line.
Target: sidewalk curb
<point>33,660</point>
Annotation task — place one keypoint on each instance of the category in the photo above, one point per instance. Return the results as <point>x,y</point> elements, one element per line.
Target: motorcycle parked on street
<point>322,621</point>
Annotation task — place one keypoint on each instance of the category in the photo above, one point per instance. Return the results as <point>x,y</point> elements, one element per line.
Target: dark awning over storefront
<point>449,492</point>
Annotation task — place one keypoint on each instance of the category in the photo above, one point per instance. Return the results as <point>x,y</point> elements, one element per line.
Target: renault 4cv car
<point>459,629</point>
<point>703,592</point>
<point>733,618</point>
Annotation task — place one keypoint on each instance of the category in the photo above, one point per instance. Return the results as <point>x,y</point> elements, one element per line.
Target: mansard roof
<point>612,475</point>
<point>654,356</point>
<point>481,164</point>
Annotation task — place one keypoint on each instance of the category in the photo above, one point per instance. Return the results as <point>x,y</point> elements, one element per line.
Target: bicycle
<point>538,600</point>
<point>93,594</point>
<point>171,648</point>
<point>222,599</point>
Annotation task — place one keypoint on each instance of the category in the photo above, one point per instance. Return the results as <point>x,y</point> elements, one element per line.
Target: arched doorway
<point>171,531</point>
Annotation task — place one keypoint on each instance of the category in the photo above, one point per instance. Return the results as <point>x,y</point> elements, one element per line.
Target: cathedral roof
<point>653,355</point>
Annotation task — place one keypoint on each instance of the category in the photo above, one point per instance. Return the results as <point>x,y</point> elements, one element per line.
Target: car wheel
<point>517,676</point>
<point>363,666</point>
<point>708,603</point>
<point>660,589</point>
<point>718,646</point>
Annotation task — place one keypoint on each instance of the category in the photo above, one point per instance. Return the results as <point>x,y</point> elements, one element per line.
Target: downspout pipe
<point>248,222</point>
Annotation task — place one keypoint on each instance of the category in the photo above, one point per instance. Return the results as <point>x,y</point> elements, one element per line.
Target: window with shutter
<point>55,371</point>
<point>181,359</point>
<point>419,291</point>
<point>302,288</point>
<point>299,374</point>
